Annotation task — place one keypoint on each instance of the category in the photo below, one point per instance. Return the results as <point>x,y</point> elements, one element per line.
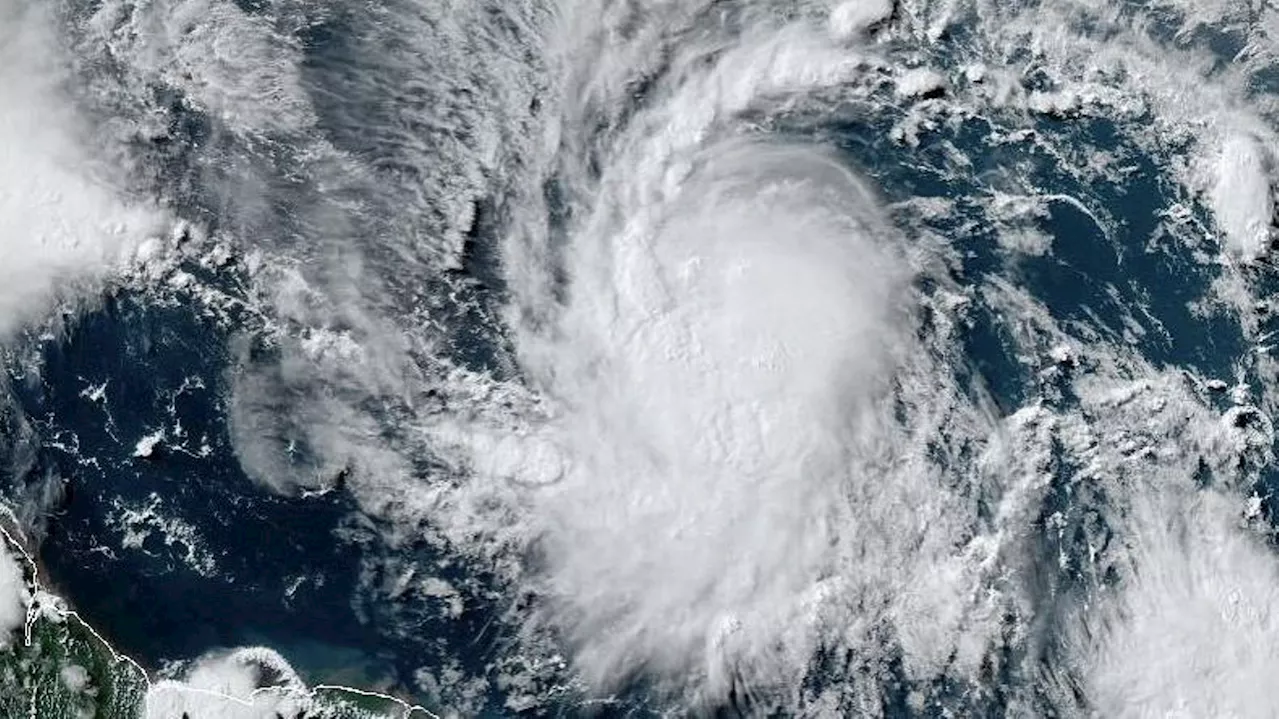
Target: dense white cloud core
<point>1242,198</point>
<point>711,368</point>
<point>14,596</point>
<point>1193,631</point>
<point>60,222</point>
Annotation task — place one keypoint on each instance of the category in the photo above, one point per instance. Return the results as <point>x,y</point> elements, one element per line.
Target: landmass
<point>54,665</point>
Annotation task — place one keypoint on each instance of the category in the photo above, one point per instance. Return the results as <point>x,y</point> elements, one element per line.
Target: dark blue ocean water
<point>148,601</point>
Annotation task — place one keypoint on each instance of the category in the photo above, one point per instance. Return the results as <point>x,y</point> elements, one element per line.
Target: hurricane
<point>618,358</point>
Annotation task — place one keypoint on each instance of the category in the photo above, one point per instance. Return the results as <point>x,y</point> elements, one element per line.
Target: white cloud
<point>713,368</point>
<point>61,224</point>
<point>248,683</point>
<point>1192,629</point>
<point>849,19</point>
<point>229,63</point>
<point>14,595</point>
<point>919,81</point>
<point>1242,197</point>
